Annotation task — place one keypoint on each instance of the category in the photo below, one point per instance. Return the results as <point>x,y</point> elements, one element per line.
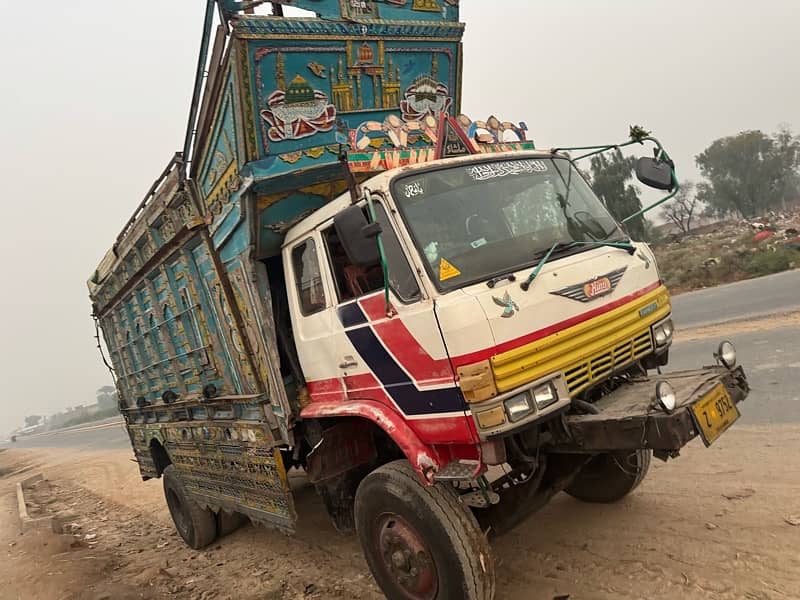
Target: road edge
<point>26,521</point>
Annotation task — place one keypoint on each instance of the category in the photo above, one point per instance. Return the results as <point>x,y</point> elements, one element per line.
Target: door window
<point>307,277</point>
<point>353,281</point>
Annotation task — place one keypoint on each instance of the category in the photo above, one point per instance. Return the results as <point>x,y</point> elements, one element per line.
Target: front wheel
<point>610,476</point>
<point>421,542</point>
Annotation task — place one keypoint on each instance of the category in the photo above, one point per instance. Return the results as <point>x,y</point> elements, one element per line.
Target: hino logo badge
<point>586,291</point>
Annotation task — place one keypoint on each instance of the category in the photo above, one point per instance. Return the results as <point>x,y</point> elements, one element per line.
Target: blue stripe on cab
<point>351,314</point>
<point>397,383</point>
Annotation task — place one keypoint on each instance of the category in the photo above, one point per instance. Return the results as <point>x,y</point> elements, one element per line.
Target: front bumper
<point>628,418</point>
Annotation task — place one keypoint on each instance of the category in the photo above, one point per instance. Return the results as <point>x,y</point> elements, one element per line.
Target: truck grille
<point>588,352</point>
<point>603,364</point>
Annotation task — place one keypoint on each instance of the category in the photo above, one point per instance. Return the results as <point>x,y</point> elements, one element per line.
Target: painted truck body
<point>246,338</point>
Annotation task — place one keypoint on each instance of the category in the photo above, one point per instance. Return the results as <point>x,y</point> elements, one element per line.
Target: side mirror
<point>357,235</point>
<point>654,173</point>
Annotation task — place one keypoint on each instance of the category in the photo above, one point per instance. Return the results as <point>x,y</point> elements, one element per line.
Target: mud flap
<point>628,418</point>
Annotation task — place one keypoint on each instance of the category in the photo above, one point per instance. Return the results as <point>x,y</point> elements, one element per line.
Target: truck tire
<point>610,476</point>
<point>228,522</point>
<point>196,525</point>
<point>421,543</point>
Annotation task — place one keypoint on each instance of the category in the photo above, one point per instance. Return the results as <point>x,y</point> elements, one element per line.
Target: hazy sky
<point>95,99</point>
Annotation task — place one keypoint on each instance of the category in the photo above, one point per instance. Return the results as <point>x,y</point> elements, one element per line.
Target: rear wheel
<point>228,522</point>
<point>421,543</point>
<point>610,476</point>
<point>196,525</point>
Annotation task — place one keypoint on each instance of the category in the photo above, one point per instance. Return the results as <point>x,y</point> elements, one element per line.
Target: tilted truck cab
<point>343,274</point>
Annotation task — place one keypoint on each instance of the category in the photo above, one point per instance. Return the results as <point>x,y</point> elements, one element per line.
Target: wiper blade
<point>621,244</point>
<point>561,246</point>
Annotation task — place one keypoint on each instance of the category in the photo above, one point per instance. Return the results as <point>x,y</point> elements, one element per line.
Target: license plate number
<point>714,413</point>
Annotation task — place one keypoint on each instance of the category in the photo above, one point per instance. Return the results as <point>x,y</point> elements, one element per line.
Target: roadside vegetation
<point>104,407</point>
<point>723,253</point>
<point>740,221</point>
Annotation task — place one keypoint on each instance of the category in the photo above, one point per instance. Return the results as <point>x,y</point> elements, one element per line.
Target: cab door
<point>395,356</point>
<point>312,310</point>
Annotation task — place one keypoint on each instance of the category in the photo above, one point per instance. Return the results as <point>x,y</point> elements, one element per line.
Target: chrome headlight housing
<point>726,354</point>
<point>662,333</point>
<point>545,395</point>
<point>519,406</point>
<point>665,396</point>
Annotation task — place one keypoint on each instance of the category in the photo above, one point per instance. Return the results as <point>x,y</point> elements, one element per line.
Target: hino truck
<point>439,323</point>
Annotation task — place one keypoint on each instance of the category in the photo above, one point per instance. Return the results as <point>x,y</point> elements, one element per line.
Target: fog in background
<point>95,97</point>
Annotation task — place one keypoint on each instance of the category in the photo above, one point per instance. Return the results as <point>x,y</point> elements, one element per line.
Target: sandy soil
<point>714,524</point>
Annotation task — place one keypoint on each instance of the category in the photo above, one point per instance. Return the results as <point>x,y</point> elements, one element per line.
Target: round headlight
<point>726,354</point>
<point>665,396</point>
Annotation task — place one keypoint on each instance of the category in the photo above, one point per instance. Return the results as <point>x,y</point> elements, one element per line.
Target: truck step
<point>458,471</point>
<point>480,499</point>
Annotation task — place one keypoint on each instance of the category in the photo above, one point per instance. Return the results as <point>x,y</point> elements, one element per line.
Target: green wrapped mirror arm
<point>382,254</point>
<point>661,155</point>
<point>525,285</point>
<point>675,189</point>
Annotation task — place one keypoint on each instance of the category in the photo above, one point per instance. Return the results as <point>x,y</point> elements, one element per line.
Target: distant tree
<point>107,397</point>
<point>684,207</point>
<point>787,147</point>
<point>32,420</point>
<point>611,172</point>
<point>750,172</point>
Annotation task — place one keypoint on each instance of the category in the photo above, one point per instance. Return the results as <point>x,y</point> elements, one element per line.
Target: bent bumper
<point>629,419</point>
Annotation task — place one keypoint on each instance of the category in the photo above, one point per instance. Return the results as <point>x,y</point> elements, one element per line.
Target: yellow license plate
<point>714,413</point>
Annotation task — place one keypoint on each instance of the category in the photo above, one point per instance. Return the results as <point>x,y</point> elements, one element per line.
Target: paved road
<point>771,359</point>
<point>763,296</point>
<point>91,438</point>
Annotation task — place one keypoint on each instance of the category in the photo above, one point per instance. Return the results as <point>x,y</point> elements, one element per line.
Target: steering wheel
<point>589,224</point>
<point>475,218</point>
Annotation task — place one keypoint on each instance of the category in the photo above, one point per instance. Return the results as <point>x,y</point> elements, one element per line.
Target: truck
<point>439,323</point>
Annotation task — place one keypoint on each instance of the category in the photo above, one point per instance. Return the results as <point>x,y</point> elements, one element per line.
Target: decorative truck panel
<point>183,298</point>
<point>190,357</point>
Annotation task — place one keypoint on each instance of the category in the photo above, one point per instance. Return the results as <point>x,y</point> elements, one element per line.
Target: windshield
<point>473,222</point>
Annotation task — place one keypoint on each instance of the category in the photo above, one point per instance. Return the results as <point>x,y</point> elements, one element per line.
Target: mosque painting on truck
<point>303,90</point>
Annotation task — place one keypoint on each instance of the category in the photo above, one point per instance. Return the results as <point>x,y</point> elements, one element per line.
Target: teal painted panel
<point>364,10</point>
<point>222,152</point>
<point>225,226</point>
<point>273,220</point>
<point>236,244</point>
<point>305,90</point>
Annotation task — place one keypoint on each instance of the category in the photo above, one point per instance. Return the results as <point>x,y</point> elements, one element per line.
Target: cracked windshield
<point>472,222</point>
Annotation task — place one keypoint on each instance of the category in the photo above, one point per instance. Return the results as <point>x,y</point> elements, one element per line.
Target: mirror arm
<point>675,189</point>
<point>662,154</point>
<point>352,184</point>
<point>384,265</point>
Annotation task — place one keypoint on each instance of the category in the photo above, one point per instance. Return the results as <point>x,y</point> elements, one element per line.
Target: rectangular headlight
<point>518,407</point>
<point>545,395</point>
<point>662,332</point>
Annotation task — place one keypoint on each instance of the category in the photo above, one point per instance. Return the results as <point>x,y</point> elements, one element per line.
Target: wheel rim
<point>179,515</point>
<point>405,558</point>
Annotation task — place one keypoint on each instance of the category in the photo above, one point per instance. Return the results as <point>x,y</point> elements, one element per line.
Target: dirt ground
<point>718,523</point>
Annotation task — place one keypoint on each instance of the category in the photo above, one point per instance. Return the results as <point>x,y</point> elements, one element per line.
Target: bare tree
<point>684,207</point>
